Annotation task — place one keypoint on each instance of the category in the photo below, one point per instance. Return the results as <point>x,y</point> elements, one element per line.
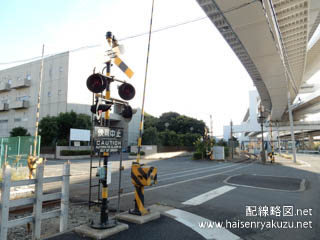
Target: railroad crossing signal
<point>114,52</point>
<point>126,91</point>
<point>97,83</point>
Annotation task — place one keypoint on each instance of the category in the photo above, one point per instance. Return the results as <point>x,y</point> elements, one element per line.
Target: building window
<point>3,120</point>
<point>9,81</point>
<point>28,77</point>
<point>24,119</point>
<point>60,69</point>
<point>59,92</point>
<point>49,94</point>
<point>17,120</point>
<point>50,72</point>
<point>23,98</point>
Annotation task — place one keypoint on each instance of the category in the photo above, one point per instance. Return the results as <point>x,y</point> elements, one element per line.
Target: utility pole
<point>279,145</point>
<point>211,128</point>
<point>261,120</point>
<point>271,141</point>
<point>231,138</point>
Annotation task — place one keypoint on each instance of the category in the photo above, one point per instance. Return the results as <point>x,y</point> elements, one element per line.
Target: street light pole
<point>231,138</point>
<point>263,156</point>
<point>261,118</point>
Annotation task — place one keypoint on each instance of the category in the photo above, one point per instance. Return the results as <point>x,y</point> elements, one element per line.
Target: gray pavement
<point>181,179</point>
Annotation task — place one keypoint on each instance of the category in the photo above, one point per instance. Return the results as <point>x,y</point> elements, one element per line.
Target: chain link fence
<point>15,150</point>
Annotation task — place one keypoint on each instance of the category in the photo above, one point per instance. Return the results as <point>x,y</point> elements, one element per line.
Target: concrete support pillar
<point>311,143</point>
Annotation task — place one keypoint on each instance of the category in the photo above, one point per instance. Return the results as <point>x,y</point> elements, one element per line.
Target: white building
<point>63,90</point>
<point>250,121</point>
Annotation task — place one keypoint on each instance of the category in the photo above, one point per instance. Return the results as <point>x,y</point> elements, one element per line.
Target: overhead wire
<point>128,37</point>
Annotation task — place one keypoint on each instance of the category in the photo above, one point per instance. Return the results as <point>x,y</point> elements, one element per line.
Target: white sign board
<point>79,134</point>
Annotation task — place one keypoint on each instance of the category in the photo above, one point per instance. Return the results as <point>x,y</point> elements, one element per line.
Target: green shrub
<point>226,151</point>
<point>142,153</point>
<point>197,156</point>
<point>74,152</point>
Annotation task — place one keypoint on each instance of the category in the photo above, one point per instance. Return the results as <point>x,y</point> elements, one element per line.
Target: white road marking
<point>208,195</point>
<point>302,184</point>
<point>189,170</point>
<point>192,221</point>
<point>304,164</point>
<point>183,181</point>
<point>196,172</point>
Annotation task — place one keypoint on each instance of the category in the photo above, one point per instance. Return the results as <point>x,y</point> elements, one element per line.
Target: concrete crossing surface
<point>196,202</point>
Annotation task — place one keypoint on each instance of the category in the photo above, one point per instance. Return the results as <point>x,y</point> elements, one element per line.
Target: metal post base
<point>108,224</point>
<point>137,212</point>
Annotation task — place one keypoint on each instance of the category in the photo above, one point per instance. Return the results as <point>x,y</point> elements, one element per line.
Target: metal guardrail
<point>37,201</point>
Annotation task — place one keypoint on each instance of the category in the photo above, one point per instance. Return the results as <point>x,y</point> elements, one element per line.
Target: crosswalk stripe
<point>208,195</point>
<point>192,221</point>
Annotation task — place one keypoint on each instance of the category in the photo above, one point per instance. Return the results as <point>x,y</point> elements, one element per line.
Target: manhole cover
<point>267,182</point>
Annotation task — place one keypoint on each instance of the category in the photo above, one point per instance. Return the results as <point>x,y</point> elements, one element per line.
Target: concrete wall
<point>148,149</point>
<point>60,148</point>
<point>218,152</point>
<point>133,128</point>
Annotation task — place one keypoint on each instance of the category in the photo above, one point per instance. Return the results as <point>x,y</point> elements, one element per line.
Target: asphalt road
<point>251,206</point>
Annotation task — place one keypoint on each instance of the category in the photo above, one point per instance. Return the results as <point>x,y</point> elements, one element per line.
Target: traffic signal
<point>97,82</point>
<point>126,91</point>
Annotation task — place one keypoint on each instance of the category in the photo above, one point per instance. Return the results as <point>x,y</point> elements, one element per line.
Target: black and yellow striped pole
<point>144,90</point>
<point>141,175</point>
<point>105,222</point>
<point>33,159</point>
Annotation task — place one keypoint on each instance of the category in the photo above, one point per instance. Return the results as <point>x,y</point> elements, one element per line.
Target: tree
<point>222,142</point>
<point>150,136</point>
<point>189,139</point>
<point>169,118</point>
<point>172,129</point>
<point>66,121</point>
<point>149,121</point>
<point>48,130</point>
<point>53,129</point>
<point>83,121</point>
<point>180,123</point>
<point>169,138</point>
<point>19,132</point>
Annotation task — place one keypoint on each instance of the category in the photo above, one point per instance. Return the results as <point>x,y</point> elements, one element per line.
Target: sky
<point>192,70</point>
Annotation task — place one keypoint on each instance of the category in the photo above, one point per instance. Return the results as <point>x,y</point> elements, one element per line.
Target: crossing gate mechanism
<point>141,176</point>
